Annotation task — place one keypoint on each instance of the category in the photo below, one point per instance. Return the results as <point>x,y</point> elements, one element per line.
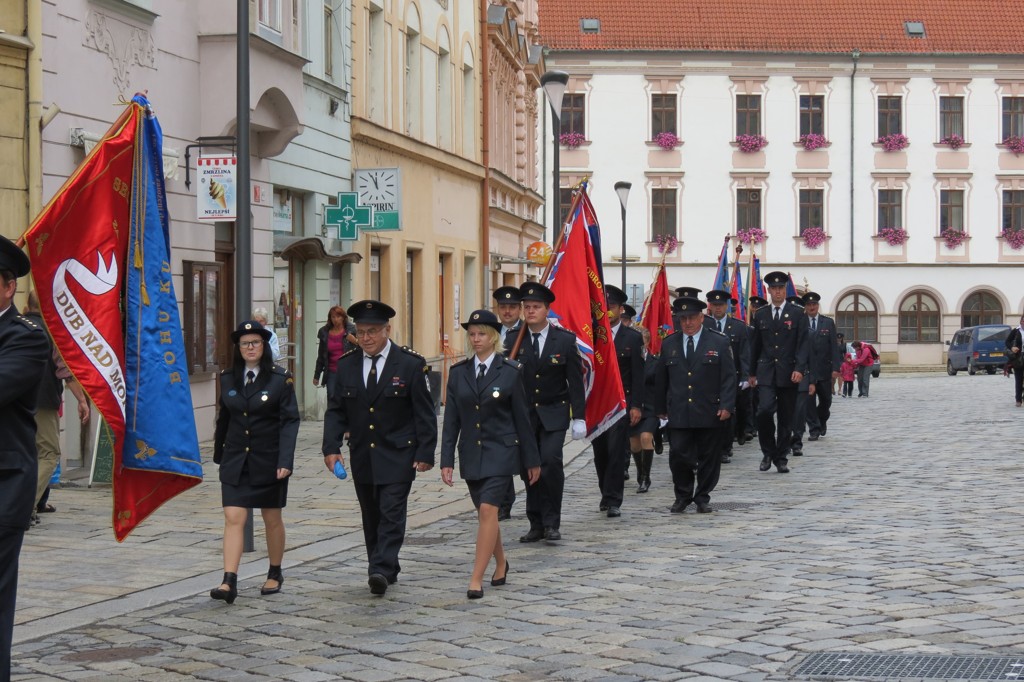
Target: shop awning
<point>313,248</point>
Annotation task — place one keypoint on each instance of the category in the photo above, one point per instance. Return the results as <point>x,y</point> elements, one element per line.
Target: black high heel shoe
<point>498,582</point>
<point>228,595</point>
<point>273,574</point>
<point>475,594</point>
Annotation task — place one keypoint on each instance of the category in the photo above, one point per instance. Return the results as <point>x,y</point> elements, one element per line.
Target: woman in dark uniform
<point>486,413</point>
<point>254,444</point>
<point>641,436</point>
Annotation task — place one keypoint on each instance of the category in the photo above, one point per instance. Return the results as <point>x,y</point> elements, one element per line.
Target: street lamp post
<point>622,189</point>
<point>554,83</point>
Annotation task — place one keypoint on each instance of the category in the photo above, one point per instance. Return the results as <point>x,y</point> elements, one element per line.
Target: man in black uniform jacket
<point>739,338</point>
<point>695,390</point>
<point>778,355</point>
<point>553,375</point>
<point>611,447</point>
<point>381,399</point>
<point>24,350</point>
<point>824,360</point>
<point>509,304</point>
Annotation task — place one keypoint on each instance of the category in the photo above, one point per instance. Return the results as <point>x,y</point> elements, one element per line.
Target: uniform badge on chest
<point>495,392</point>
<point>264,396</point>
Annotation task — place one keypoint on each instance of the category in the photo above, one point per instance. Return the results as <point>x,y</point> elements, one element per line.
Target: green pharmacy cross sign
<point>348,216</point>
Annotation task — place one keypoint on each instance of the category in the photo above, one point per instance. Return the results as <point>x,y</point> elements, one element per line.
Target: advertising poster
<point>215,198</point>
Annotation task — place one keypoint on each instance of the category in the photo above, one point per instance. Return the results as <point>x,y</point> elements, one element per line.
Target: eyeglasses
<point>373,331</point>
<point>250,344</point>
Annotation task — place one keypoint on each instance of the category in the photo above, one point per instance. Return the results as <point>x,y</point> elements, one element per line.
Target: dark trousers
<point>610,461</point>
<point>740,418</point>
<point>693,458</point>
<point>754,397</point>
<point>1018,383</point>
<point>848,389</point>
<point>10,548</point>
<point>800,410</point>
<point>819,407</point>
<point>544,498</point>
<point>384,514</point>
<point>776,400</point>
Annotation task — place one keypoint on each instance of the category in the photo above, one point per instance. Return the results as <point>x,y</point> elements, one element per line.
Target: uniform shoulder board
<point>278,369</point>
<point>349,352</point>
<point>715,331</point>
<point>460,362</point>
<point>410,351</point>
<point>27,322</point>
<point>225,372</point>
<point>513,363</point>
<point>670,336</point>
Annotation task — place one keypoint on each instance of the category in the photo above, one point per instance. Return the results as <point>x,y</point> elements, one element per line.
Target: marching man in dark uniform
<point>739,338</point>
<point>695,389</point>
<point>779,359</point>
<point>381,399</point>
<point>611,448</point>
<point>824,361</point>
<point>509,303</point>
<point>683,292</point>
<point>24,350</point>
<point>553,374</point>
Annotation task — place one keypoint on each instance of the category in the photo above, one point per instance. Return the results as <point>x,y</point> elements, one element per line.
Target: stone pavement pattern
<point>897,532</point>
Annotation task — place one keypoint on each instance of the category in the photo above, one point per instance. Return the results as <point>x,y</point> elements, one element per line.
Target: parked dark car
<point>977,348</point>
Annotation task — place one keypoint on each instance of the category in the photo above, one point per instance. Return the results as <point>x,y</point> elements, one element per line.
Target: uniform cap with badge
<point>811,297</point>
<point>507,294</point>
<point>776,278</point>
<point>12,258</point>
<point>717,296</point>
<point>370,312</point>
<point>614,295</point>
<point>250,327</point>
<point>485,318</point>
<point>688,292</point>
<point>757,301</point>
<point>628,311</point>
<point>687,305</point>
<point>532,291</point>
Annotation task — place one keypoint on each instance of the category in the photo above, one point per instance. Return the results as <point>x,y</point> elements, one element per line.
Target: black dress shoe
<point>824,429</point>
<point>766,464</point>
<point>552,535</point>
<point>474,594</point>
<point>614,512</point>
<point>498,582</point>
<point>798,452</point>
<point>603,507</point>
<point>813,436</point>
<point>378,583</point>
<point>679,508</point>
<point>783,469</point>
<point>504,514</point>
<point>704,508</point>
<point>726,459</point>
<point>534,535</point>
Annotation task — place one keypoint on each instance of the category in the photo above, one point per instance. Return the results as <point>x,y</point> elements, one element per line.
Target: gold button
<point>247,449</point>
<point>478,426</point>
<point>371,427</point>
<point>477,407</point>
<point>371,409</point>
<point>245,414</point>
<point>691,400</point>
<point>373,445</point>
<point>689,374</point>
<point>478,442</point>
<point>247,433</point>
<point>536,390</point>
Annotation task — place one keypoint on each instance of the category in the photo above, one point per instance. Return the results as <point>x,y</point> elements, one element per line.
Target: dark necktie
<point>250,377</point>
<point>814,324</point>
<point>536,344</point>
<point>371,378</point>
<point>689,347</point>
<point>481,371</point>
<point>721,325</point>
<point>777,314</point>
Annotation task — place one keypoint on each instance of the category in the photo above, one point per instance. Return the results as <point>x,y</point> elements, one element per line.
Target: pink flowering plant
<point>667,141</point>
<point>953,238</point>
<point>894,236</point>
<point>1015,238</point>
<point>751,143</point>
<point>954,141</point>
<point>894,143</point>
<point>1014,143</point>
<point>814,237</point>
<point>571,140</point>
<point>666,243</point>
<point>754,235</point>
<point>812,141</point>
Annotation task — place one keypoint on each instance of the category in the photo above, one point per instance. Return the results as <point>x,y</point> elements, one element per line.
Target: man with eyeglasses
<point>382,400</point>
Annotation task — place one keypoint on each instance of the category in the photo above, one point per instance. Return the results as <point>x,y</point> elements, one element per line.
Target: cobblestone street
<point>899,532</point>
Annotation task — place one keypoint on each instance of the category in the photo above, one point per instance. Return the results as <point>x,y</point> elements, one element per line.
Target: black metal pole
<point>243,190</point>
<point>556,184</point>
<point>624,249</point>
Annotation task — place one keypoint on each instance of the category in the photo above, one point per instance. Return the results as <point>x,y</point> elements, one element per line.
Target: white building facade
<point>958,173</point>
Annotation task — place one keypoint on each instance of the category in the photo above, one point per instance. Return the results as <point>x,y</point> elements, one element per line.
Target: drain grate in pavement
<point>913,666</point>
<point>121,653</point>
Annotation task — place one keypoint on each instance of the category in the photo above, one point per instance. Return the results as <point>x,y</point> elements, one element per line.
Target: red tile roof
<point>772,26</point>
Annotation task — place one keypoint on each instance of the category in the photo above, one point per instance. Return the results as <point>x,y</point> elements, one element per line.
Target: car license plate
<point>995,355</point>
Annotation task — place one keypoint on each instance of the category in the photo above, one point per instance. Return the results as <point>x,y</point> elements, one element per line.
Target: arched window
<point>981,307</point>
<point>919,319</point>
<point>857,318</point>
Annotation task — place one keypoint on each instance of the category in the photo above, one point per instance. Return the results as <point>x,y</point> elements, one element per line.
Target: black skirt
<point>645,425</point>
<point>489,490</point>
<point>245,494</point>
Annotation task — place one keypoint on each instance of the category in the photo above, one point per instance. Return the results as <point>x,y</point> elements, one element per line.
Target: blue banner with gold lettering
<point>160,457</point>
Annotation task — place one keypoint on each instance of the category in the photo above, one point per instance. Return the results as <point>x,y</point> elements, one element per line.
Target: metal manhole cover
<point>121,653</point>
<point>916,666</point>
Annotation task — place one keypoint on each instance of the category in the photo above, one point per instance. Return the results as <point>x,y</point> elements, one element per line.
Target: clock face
<point>378,187</point>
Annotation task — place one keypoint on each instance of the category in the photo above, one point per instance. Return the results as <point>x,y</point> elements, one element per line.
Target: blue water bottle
<point>339,470</point>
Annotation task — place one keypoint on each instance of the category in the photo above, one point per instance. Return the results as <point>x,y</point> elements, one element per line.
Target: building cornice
<point>371,134</point>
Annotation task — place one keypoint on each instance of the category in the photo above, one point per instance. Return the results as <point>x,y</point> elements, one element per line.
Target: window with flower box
<point>1013,210</point>
<point>812,114</point>
<point>951,117</point>
<point>951,210</point>
<point>663,213</point>
<point>890,115</point>
<point>663,114</point>
<point>812,209</point>
<point>748,209</point>
<point>574,114</point>
<point>1013,117</point>
<point>890,208</point>
<point>748,114</point>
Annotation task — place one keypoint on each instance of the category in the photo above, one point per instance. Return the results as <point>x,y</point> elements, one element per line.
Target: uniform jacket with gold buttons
<point>823,355</point>
<point>390,428</point>
<point>24,349</point>
<point>629,347</point>
<point>489,419</point>
<point>256,426</point>
<point>739,337</point>
<point>553,381</point>
<point>778,349</point>
<point>691,390</point>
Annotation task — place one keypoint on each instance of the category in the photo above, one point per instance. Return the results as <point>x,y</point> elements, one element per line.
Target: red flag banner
<point>657,315</point>
<point>580,307</point>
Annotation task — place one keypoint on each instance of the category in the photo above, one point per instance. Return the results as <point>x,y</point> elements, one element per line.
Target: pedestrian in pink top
<point>863,361</point>
<point>847,372</point>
